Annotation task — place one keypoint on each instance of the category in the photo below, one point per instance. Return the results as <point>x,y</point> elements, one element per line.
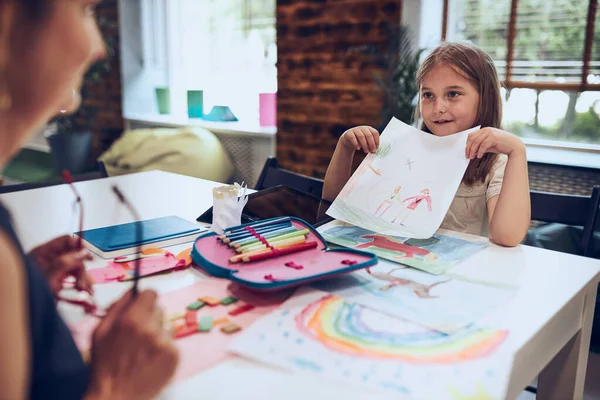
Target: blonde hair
<point>478,67</point>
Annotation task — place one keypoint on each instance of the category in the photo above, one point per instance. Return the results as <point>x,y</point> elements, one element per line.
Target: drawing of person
<point>413,203</point>
<point>365,166</point>
<point>387,203</point>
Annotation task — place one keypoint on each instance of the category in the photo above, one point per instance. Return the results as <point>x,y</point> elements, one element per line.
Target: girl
<point>45,48</point>
<point>459,89</point>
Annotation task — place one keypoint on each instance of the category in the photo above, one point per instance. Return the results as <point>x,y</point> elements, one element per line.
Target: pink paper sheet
<point>148,266</point>
<point>201,350</point>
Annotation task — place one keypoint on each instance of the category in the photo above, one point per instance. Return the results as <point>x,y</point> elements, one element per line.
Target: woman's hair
<point>477,66</point>
<point>34,9</point>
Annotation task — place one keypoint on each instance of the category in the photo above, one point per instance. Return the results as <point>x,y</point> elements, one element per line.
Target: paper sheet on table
<point>436,255</point>
<point>436,302</point>
<point>328,336</point>
<point>406,188</point>
<point>202,350</point>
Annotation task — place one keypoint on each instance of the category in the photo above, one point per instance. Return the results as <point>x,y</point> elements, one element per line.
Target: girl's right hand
<point>133,356</point>
<point>361,137</point>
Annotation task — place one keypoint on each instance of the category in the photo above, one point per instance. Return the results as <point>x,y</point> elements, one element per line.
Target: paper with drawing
<point>406,188</point>
<point>327,336</point>
<point>434,301</point>
<point>435,255</point>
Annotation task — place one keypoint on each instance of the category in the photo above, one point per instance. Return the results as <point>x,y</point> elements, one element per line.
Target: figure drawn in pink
<point>413,203</point>
<point>365,166</point>
<point>387,203</point>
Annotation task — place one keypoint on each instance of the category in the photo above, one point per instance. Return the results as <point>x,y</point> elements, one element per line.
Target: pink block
<point>267,109</point>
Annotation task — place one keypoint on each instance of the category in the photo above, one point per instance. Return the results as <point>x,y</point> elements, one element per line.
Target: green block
<point>196,305</point>
<point>205,323</point>
<point>228,300</point>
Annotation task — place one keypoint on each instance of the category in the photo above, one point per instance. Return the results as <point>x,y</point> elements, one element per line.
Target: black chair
<point>99,174</point>
<point>568,210</point>
<point>272,175</point>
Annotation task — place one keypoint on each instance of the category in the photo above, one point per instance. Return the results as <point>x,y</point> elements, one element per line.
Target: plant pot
<point>71,151</point>
<point>163,100</point>
<point>195,103</point>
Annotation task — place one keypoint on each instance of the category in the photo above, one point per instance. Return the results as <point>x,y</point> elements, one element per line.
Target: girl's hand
<point>361,137</point>
<point>492,140</point>
<point>133,356</point>
<point>61,258</point>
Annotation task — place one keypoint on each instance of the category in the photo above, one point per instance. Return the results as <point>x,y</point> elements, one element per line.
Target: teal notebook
<point>119,240</point>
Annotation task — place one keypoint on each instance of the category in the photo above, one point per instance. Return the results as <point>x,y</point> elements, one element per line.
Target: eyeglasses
<point>139,234</point>
<point>79,298</point>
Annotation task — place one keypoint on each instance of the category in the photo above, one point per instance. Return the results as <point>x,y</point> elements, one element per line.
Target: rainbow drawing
<point>344,327</point>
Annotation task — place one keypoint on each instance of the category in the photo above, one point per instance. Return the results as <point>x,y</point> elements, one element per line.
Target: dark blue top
<point>57,370</point>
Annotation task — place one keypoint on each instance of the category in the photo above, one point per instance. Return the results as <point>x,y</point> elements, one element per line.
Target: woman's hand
<point>133,356</point>
<point>61,258</point>
<point>361,137</point>
<point>492,140</point>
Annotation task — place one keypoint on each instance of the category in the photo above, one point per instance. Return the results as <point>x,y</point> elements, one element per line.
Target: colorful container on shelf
<point>195,103</point>
<point>163,100</point>
<point>267,109</point>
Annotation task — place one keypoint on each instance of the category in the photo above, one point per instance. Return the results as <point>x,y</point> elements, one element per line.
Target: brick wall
<point>321,90</point>
<point>104,96</point>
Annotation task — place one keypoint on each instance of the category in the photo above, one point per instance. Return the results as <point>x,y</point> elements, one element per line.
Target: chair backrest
<point>101,173</point>
<point>568,210</point>
<point>272,175</point>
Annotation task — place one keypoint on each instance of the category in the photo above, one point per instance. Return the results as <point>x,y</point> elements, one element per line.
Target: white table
<point>549,319</point>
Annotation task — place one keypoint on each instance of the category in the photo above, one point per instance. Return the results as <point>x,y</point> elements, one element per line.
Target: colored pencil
<point>247,234</point>
<point>273,241</point>
<point>258,225</point>
<point>291,240</point>
<point>238,257</point>
<point>287,250</point>
<point>251,240</point>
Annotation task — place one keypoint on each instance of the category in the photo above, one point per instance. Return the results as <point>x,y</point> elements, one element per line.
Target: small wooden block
<point>185,331</point>
<point>205,323</point>
<point>241,309</point>
<point>153,251</point>
<point>220,321</point>
<point>230,328</point>
<point>211,301</point>
<point>175,316</point>
<point>191,319</point>
<point>178,324</point>
<point>228,300</point>
<point>195,305</point>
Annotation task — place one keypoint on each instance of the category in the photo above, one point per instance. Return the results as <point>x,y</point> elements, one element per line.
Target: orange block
<point>185,255</point>
<point>211,301</point>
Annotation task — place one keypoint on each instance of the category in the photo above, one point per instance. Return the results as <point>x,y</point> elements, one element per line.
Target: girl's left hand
<point>491,140</point>
<point>61,258</point>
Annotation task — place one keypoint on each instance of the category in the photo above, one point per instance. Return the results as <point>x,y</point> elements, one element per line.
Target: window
<point>224,48</point>
<point>547,52</point>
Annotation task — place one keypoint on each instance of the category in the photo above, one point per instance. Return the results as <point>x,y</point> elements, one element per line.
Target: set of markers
<point>267,239</point>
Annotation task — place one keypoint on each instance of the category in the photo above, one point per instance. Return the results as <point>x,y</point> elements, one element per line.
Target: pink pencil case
<point>282,271</point>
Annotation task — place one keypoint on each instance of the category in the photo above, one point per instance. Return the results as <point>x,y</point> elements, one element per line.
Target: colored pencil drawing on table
<point>326,335</point>
<point>398,190</point>
<point>435,255</point>
<point>435,302</point>
<point>201,350</point>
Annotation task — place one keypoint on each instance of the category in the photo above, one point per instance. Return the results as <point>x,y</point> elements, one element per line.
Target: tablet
<point>280,201</point>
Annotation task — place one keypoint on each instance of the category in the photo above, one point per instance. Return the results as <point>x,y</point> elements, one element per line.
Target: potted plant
<point>396,66</point>
<point>70,137</point>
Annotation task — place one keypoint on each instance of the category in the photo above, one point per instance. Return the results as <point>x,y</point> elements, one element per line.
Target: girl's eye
<point>427,95</point>
<point>453,94</point>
